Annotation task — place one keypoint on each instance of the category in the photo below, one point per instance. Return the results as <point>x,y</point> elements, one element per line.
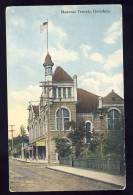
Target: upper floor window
<point>64,92</point>
<point>69,92</point>
<point>59,92</point>
<point>54,92</point>
<point>62,117</point>
<point>113,118</point>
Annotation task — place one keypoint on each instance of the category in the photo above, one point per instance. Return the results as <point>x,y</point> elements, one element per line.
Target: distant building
<point>61,101</point>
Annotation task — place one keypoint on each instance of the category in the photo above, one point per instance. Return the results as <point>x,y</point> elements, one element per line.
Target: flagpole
<point>47,35</point>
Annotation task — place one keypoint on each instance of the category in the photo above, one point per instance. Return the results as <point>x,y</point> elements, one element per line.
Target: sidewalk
<point>90,174</point>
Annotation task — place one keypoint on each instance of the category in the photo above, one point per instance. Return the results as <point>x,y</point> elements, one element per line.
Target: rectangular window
<point>54,92</point>
<point>59,123</point>
<point>66,126</point>
<point>59,92</point>
<point>64,92</point>
<point>69,92</point>
<point>110,124</point>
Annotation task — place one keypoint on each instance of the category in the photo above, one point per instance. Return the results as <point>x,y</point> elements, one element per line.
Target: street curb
<point>34,162</point>
<point>121,186</point>
<point>31,163</point>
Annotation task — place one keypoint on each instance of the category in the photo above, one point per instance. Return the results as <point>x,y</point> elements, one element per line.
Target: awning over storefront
<point>40,143</point>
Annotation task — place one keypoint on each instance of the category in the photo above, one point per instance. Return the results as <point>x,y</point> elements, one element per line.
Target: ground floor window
<point>113,119</point>
<point>88,128</point>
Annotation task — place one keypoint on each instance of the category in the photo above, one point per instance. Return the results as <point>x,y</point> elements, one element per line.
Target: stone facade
<point>61,101</point>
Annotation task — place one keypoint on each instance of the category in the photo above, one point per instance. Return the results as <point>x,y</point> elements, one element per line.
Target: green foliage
<point>71,124</point>
<point>63,147</point>
<point>115,143</point>
<point>86,152</point>
<point>17,143</point>
<point>101,144</point>
<point>77,138</point>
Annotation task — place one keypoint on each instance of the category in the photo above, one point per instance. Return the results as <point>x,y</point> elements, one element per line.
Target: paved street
<point>25,177</point>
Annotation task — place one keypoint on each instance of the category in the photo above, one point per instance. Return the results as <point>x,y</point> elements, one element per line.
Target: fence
<point>107,165</point>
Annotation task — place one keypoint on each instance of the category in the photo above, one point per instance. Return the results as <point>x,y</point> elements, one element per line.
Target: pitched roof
<point>48,60</point>
<point>60,75</point>
<point>113,98</point>
<point>87,102</point>
<point>36,110</point>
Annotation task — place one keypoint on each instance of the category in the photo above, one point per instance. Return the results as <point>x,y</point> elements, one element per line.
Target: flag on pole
<point>43,26</point>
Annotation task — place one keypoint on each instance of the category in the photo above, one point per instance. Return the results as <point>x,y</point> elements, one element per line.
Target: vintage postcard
<point>65,98</point>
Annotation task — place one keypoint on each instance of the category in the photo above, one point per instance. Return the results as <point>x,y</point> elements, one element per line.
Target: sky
<point>87,42</point>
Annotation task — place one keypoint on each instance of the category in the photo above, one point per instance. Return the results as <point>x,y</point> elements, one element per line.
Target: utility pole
<point>12,130</point>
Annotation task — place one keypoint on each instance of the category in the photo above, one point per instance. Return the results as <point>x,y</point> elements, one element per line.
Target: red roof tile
<point>87,102</point>
<point>61,75</point>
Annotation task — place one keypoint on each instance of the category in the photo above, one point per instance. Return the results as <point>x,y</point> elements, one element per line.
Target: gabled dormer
<point>33,112</point>
<point>64,86</point>
<point>112,99</point>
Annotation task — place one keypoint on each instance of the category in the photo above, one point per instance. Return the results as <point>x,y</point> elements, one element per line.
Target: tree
<point>63,147</point>
<point>77,136</point>
<point>87,143</point>
<point>115,141</point>
<point>17,143</point>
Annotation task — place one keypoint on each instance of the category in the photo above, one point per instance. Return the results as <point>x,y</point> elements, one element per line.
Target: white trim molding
<point>65,107</point>
<point>88,121</point>
<point>113,108</point>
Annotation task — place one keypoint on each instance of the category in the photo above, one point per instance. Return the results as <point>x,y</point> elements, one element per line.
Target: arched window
<point>113,118</point>
<point>88,128</point>
<point>62,117</point>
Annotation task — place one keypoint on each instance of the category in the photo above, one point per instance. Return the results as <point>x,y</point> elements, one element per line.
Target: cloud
<point>85,48</point>
<point>109,61</point>
<point>14,22</point>
<point>54,29</point>
<point>18,102</point>
<point>17,53</point>
<point>113,32</point>
<point>100,83</point>
<point>114,60</point>
<point>25,95</point>
<point>93,56</point>
<point>57,30</point>
<point>62,55</point>
<point>17,116</point>
<point>96,57</point>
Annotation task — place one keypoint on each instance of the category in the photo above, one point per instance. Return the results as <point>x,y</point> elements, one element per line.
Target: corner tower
<point>48,65</point>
